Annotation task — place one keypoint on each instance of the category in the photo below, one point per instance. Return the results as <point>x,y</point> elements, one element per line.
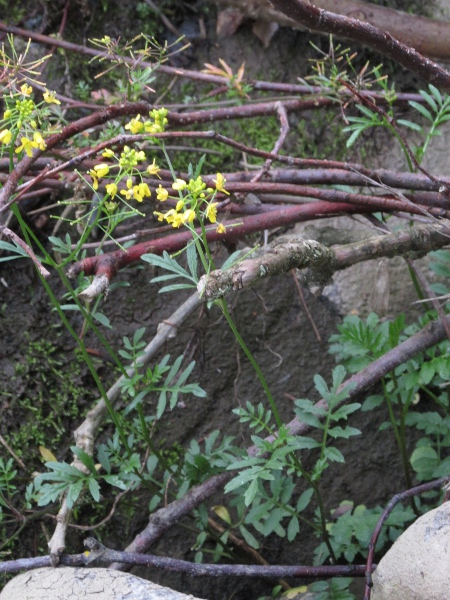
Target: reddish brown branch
<point>109,264</point>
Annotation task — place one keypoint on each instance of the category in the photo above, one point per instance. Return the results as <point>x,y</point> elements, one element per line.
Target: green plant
<point>358,343</point>
<point>277,486</point>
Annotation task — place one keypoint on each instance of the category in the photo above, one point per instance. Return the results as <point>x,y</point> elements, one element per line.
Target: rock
<point>417,566</point>
<point>99,584</point>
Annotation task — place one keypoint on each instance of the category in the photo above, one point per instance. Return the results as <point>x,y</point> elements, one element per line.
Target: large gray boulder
<point>64,583</point>
<point>417,567</point>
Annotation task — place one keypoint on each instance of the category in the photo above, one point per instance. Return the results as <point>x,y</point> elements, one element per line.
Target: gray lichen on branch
<point>321,262</point>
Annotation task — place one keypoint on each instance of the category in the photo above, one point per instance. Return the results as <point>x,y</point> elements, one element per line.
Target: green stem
<point>149,441</point>
<point>399,438</point>
<point>252,360</point>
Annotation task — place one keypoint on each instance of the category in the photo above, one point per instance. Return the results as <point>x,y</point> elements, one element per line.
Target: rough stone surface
<point>68,583</point>
<point>417,566</point>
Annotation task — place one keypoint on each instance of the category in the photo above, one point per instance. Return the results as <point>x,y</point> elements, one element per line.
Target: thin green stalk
<point>252,360</point>
<point>79,342</point>
<point>148,440</point>
<point>318,495</point>
<point>398,437</point>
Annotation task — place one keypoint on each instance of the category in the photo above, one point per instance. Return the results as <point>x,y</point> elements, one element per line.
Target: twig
<point>13,236</point>
<point>101,554</point>
<point>11,451</point>
<point>305,306</point>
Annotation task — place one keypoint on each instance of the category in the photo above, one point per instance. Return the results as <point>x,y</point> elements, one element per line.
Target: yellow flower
<point>179,184</point>
<point>135,125</point>
<point>220,182</point>
<point>50,97</point>
<point>138,192</point>
<point>7,113</point>
<point>129,158</point>
<point>111,189</point>
<point>221,228</point>
<point>141,191</point>
<point>102,170</point>
<point>93,174</point>
<point>97,173</point>
<point>26,89</point>
<point>195,186</point>
<point>150,127</point>
<point>211,212</point>
<point>179,205</point>
<point>160,215</point>
<point>128,193</point>
<point>162,194</point>
<point>27,145</point>
<point>173,217</point>
<point>188,216</point>
<point>37,137</point>
<point>5,136</point>
<point>153,169</point>
<point>108,153</point>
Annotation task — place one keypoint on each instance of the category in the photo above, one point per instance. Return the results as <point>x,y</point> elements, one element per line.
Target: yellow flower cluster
<point>126,164</point>
<point>157,123</point>
<point>21,117</point>
<point>197,200</point>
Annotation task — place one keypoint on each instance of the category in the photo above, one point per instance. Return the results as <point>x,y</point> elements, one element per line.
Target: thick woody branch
<point>428,36</point>
<point>320,260</point>
<point>102,555</point>
<point>109,264</point>
<point>321,20</point>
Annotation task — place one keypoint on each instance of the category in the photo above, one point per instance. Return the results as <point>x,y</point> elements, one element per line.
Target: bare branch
<point>320,260</point>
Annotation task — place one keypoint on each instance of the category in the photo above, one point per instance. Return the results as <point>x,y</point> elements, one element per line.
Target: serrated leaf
<point>176,286</point>
<point>332,453</point>
<point>115,481</point>
<point>73,492</point>
<point>431,101</point>
<point>409,124</point>
<point>372,402</point>
<point>83,457</point>
<point>192,259</point>
<point>102,319</point>
<point>162,403</point>
<point>248,537</point>
<point>103,458</point>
